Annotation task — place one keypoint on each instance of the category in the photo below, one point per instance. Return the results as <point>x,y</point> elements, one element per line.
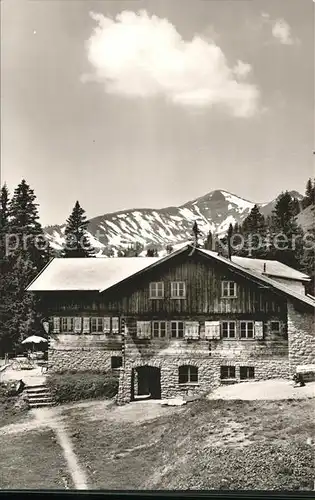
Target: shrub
<point>67,387</point>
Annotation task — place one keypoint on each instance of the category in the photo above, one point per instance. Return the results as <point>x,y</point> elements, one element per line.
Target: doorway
<point>146,383</point>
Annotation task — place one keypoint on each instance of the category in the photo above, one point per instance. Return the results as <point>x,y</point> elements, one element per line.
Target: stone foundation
<point>301,336</point>
<point>80,360</point>
<point>208,374</point>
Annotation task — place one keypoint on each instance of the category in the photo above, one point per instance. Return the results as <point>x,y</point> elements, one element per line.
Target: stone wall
<point>80,360</point>
<point>301,335</point>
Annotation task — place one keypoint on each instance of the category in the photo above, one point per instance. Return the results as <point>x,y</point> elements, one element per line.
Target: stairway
<point>38,396</point>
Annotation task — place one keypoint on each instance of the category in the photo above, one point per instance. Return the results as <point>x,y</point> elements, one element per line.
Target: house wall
<point>203,286</point>
<point>82,352</point>
<point>269,357</point>
<point>301,335</point>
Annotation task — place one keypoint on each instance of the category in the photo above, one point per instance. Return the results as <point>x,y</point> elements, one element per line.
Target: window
<point>187,374</point>
<point>177,329</point>
<point>228,289</point>
<point>116,362</point>
<point>97,325</point>
<point>247,372</point>
<point>157,290</point>
<point>178,290</point>
<point>227,372</point>
<point>275,326</point>
<point>158,329</point>
<point>228,329</point>
<point>247,329</point>
<point>67,324</point>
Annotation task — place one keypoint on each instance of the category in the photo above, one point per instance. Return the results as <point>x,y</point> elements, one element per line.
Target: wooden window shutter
<point>115,325</point>
<point>259,330</point>
<point>144,329</point>
<point>77,325</point>
<point>191,330</point>
<point>212,330</point>
<point>106,325</point>
<point>56,325</point>
<point>86,325</point>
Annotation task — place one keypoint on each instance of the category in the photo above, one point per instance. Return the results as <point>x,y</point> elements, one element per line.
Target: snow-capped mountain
<point>161,227</point>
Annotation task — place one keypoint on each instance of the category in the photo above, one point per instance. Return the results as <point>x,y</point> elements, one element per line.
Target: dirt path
<point>49,418</point>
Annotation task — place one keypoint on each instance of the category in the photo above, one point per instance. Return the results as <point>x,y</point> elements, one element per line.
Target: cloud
<point>242,69</point>
<point>137,55</point>
<point>282,31</point>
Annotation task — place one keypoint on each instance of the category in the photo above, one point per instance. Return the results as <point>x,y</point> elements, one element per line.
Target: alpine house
<point>177,325</point>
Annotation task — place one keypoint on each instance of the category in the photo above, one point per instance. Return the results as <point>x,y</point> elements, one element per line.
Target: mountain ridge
<point>151,227</point>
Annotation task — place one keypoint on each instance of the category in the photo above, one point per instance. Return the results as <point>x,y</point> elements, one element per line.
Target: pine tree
<point>76,240</point>
<point>25,256</point>
<point>309,191</point>
<point>254,232</point>
<point>286,234</point>
<point>308,259</point>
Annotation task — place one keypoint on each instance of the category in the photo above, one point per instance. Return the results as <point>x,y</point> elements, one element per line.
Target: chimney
<point>229,250</point>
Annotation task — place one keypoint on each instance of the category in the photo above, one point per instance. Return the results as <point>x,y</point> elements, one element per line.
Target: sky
<point>147,104</point>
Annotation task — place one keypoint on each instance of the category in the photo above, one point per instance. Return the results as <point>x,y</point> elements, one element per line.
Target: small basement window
<point>247,372</point>
<point>116,362</point>
<point>187,374</point>
<point>227,372</point>
<point>275,326</point>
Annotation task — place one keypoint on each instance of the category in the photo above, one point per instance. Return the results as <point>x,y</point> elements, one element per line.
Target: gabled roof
<point>270,268</point>
<point>100,274</point>
<point>79,274</point>
<point>259,278</point>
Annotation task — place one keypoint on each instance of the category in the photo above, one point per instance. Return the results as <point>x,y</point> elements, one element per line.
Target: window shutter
<point>106,325</point>
<point>259,330</point>
<point>77,325</point>
<point>191,330</point>
<point>212,330</point>
<point>56,325</point>
<point>143,329</point>
<point>115,325</point>
<point>86,325</point>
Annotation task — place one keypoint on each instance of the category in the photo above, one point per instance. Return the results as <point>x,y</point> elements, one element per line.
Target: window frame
<point>246,330</point>
<point>158,336</point>
<point>228,368</point>
<point>156,283</point>
<point>177,284</point>
<point>272,329</point>
<point>247,368</point>
<point>96,319</point>
<point>226,285</point>
<point>188,375</point>
<point>229,336</point>
<point>177,329</point>
<point>69,321</point>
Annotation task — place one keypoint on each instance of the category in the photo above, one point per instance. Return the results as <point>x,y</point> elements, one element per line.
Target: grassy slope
<point>205,445</point>
<point>32,460</point>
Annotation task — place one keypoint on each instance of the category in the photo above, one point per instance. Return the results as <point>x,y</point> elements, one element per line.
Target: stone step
<point>41,404</point>
<point>37,391</point>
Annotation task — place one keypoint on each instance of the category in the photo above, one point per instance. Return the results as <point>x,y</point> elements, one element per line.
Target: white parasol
<point>34,339</point>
